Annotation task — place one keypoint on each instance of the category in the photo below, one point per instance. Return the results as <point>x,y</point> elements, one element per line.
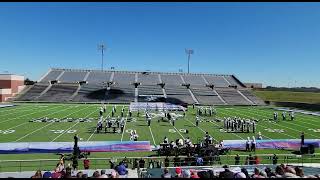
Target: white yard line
<point>18,125</point>
<point>22,109</point>
<point>47,124</point>
<point>154,142</point>
<point>124,128</point>
<point>285,126</point>
<point>30,114</point>
<point>73,125</point>
<point>178,131</point>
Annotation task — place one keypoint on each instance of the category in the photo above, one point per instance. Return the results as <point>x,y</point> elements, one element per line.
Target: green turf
<point>17,119</point>
<point>289,96</point>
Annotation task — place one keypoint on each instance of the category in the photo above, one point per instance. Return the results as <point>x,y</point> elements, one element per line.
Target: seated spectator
<point>239,175</point>
<point>103,174</point>
<point>178,172</point>
<point>96,174</point>
<point>299,172</point>
<point>186,173</point>
<point>194,174</point>
<point>226,173</point>
<point>56,173</point>
<point>204,174</point>
<point>279,172</point>
<point>245,171</point>
<point>256,173</point>
<point>122,170</point>
<point>38,174</point>
<point>47,174</point>
<point>114,174</point>
<point>79,174</point>
<point>166,173</point>
<point>84,176</point>
<point>269,172</point>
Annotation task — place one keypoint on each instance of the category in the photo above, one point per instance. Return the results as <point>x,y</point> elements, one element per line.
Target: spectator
<point>86,163</point>
<point>166,162</point>
<point>257,160</point>
<point>79,174</point>
<point>251,160</point>
<point>199,161</point>
<point>114,174</point>
<point>38,174</point>
<point>178,172</point>
<point>103,174</point>
<point>299,172</point>
<point>256,173</point>
<point>68,169</point>
<point>186,173</point>
<point>194,174</point>
<point>226,173</point>
<point>56,173</point>
<point>240,175</point>
<point>269,172</point>
<point>96,174</point>
<point>166,173</point>
<point>237,159</point>
<point>279,172</point>
<point>141,163</point>
<point>84,176</point>
<point>245,171</point>
<point>47,174</point>
<point>122,170</point>
<point>274,159</point>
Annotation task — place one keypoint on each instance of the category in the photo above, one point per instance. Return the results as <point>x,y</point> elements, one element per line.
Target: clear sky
<point>277,44</point>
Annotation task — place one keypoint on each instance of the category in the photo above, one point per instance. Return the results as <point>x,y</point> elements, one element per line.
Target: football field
<point>16,125</point>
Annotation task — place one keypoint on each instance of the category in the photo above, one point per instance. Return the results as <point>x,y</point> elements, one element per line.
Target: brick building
<point>10,85</point>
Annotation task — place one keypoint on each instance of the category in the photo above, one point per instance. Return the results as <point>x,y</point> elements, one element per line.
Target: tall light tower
<point>189,52</point>
<point>101,47</point>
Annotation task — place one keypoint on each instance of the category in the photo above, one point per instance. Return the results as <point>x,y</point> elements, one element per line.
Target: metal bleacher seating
<point>231,96</point>
<point>90,86</point>
<point>206,95</point>
<point>33,92</point>
<point>58,93</point>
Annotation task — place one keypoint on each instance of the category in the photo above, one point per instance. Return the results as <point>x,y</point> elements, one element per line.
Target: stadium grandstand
<point>73,85</point>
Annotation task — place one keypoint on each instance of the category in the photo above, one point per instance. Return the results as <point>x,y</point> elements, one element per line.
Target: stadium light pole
<point>189,52</point>
<point>101,47</point>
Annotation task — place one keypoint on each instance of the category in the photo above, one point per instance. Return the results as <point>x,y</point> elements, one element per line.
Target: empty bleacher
<point>206,96</point>
<point>148,79</point>
<point>96,77</point>
<point>90,93</point>
<point>122,90</point>
<point>171,80</point>
<point>58,93</point>
<point>180,93</point>
<point>252,97</point>
<point>33,92</point>
<point>231,96</point>
<point>217,81</point>
<point>52,75</point>
<point>72,76</point>
<point>194,80</point>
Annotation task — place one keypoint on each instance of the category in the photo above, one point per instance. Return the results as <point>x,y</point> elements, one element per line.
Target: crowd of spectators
<point>280,171</point>
<point>61,171</point>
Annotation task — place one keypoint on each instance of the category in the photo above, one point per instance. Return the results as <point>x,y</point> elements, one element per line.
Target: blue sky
<point>277,44</point>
